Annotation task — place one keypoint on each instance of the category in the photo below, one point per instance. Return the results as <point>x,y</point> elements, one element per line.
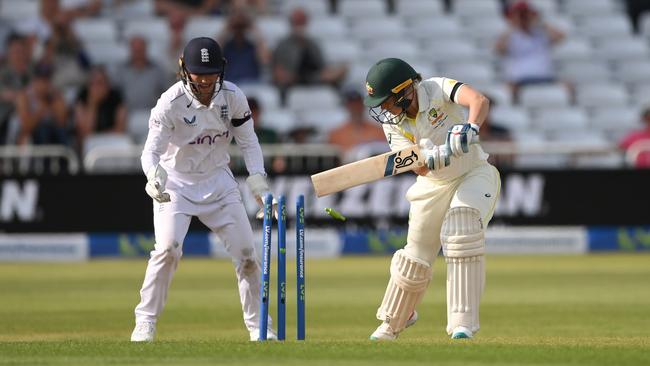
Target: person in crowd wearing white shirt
<point>526,48</point>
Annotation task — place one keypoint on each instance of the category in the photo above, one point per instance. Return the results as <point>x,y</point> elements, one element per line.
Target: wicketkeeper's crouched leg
<point>170,231</point>
<point>153,295</point>
<point>232,226</point>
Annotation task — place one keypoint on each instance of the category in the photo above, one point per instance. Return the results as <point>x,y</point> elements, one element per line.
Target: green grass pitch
<point>537,310</point>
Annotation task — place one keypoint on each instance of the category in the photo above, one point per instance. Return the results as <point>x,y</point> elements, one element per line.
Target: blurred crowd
<point>52,91</point>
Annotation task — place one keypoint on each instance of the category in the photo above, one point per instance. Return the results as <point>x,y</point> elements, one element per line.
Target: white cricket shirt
<point>191,140</point>
<point>437,112</point>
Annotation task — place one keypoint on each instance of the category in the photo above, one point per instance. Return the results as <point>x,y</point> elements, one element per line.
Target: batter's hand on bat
<point>459,137</point>
<point>435,157</point>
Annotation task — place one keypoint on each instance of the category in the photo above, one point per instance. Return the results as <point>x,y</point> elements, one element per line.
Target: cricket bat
<point>367,170</point>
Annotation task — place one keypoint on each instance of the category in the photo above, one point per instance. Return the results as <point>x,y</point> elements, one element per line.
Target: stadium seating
<point>340,50</point>
<point>202,26</point>
<point>362,9</point>
<point>93,30</point>
<point>475,8</point>
<point>596,95</point>
<point>266,94</point>
<point>310,97</point>
<point>328,28</point>
<point>379,29</point>
<point>138,125</point>
<point>516,119</point>
<point>607,64</point>
<point>23,9</point>
<point>419,8</point>
<point>280,119</point>
<point>315,8</point>
<point>590,7</point>
<point>545,95</point>
<point>563,120</point>
<point>152,29</point>
<point>102,152</point>
<point>583,72</point>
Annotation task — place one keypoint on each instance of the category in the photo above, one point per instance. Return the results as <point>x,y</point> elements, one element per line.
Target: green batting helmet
<point>390,76</point>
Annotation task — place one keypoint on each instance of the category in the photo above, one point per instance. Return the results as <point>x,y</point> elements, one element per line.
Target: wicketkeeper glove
<point>435,157</point>
<point>156,181</point>
<point>460,136</point>
<point>260,188</point>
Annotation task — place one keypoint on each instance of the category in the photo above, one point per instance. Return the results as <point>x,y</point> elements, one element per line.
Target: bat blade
<point>367,170</point>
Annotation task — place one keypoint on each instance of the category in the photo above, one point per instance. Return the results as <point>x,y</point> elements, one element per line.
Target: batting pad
<point>463,243</point>
<point>409,278</point>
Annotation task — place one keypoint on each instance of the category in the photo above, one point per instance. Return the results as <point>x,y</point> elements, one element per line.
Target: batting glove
<point>459,137</point>
<point>260,188</point>
<point>156,181</point>
<point>435,157</point>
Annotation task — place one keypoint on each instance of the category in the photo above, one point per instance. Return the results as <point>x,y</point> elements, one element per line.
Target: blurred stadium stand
<point>607,63</point>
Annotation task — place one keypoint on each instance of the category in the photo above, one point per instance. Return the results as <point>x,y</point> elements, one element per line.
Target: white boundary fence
<point>23,160</point>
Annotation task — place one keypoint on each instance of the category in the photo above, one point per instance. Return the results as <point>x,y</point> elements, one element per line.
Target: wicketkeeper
<point>186,160</point>
<point>452,200</point>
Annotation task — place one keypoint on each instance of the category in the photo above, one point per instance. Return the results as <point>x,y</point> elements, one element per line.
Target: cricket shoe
<point>270,335</point>
<point>461,333</point>
<point>385,333</point>
<point>143,332</point>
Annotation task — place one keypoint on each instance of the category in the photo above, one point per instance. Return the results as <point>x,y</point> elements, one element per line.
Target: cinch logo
<point>210,139</point>
<point>205,56</point>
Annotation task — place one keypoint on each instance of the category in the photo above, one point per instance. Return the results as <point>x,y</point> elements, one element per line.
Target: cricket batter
<point>185,159</point>
<point>452,200</point>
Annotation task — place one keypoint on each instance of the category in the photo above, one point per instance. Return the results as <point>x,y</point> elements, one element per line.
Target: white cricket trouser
<point>228,219</point>
<point>430,201</point>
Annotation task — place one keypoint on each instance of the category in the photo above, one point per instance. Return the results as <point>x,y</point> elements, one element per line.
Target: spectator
<point>298,59</point>
<point>243,47</point>
<point>5,31</point>
<point>65,54</point>
<point>42,111</point>
<point>15,74</point>
<point>634,9</point>
<point>257,6</point>
<point>99,107</point>
<point>176,21</point>
<point>52,14</point>
<point>140,79</point>
<point>637,142</point>
<point>188,7</point>
<point>265,135</point>
<point>358,129</point>
<point>493,131</point>
<point>526,48</point>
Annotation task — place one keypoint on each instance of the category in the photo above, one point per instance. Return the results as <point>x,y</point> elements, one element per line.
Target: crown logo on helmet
<point>369,89</point>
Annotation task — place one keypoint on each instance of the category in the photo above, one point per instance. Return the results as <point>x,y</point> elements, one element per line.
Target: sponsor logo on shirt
<point>436,118</point>
<point>190,122</point>
<point>210,139</point>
